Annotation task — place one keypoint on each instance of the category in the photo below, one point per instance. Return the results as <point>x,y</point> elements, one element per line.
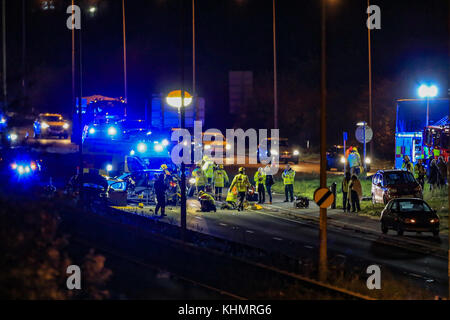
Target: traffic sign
<point>360,134</point>
<point>324,198</point>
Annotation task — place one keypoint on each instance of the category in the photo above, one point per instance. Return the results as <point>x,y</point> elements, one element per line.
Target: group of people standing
<point>435,171</point>
<point>351,193</point>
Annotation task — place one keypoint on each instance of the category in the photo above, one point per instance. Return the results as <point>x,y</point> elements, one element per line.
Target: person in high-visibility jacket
<point>288,180</point>
<point>260,182</point>
<point>200,179</point>
<point>354,162</point>
<point>207,202</point>
<point>407,165</point>
<point>208,169</point>
<point>242,184</point>
<point>220,179</point>
<point>420,172</point>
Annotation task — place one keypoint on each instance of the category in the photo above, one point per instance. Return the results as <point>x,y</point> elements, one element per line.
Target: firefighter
<point>207,202</point>
<point>288,180</point>
<point>160,191</point>
<point>419,173</point>
<point>345,195</point>
<point>242,184</point>
<point>260,181</point>
<point>200,179</point>
<point>407,165</point>
<point>220,179</point>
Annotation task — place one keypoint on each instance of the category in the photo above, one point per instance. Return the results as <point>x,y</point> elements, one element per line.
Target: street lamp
<point>181,99</point>
<point>428,92</point>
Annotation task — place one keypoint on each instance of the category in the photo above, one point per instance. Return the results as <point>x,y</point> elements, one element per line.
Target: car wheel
<point>384,228</point>
<point>436,233</point>
<point>399,230</point>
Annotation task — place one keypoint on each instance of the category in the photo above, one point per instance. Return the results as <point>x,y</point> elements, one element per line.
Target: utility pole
<point>323,144</point>
<point>125,57</point>
<point>5,85</point>
<point>182,125</point>
<point>370,81</point>
<point>275,78</point>
<point>194,80</point>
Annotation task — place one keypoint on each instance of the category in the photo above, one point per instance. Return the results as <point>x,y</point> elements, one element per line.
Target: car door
<point>388,214</point>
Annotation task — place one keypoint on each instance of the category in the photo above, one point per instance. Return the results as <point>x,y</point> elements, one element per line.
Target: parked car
<point>409,215</point>
<point>285,152</point>
<point>392,184</point>
<point>51,125</point>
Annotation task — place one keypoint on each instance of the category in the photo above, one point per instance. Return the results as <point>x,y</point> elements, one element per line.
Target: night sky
<point>411,47</point>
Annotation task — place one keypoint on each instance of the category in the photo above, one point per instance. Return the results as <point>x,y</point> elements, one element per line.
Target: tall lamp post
<point>428,92</point>
<point>181,99</point>
<point>275,77</point>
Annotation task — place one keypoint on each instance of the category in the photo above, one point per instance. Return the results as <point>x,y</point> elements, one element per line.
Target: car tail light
<point>434,220</point>
<point>410,221</point>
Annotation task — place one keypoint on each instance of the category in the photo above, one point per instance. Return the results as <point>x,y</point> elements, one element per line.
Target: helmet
<point>201,193</point>
<point>241,170</point>
<point>164,167</point>
<point>220,166</point>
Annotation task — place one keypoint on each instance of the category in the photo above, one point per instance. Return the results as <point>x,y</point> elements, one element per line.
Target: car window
<point>413,206</point>
<point>395,206</point>
<point>400,177</point>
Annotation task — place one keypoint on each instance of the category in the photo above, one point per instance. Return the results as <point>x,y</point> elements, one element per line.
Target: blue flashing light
<point>132,153</point>
<point>159,148</point>
<point>165,142</point>
<point>92,131</point>
<point>109,167</point>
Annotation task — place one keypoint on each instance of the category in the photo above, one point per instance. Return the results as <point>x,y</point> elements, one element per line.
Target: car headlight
<point>165,142</point>
<point>21,170</point>
<point>66,126</point>
<point>45,125</point>
<point>343,160</point>
<point>92,131</point>
<point>142,147</point>
<point>368,161</point>
<point>296,153</point>
<point>13,137</point>
<point>159,148</point>
<point>132,153</point>
<point>274,152</point>
<point>112,131</point>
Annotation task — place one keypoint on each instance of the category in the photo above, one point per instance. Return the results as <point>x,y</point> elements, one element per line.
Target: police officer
<point>242,184</point>
<point>260,181</point>
<point>220,179</point>
<point>288,180</point>
<point>354,162</point>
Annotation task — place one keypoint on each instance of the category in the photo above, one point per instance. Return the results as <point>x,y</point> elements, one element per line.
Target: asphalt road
<point>269,230</point>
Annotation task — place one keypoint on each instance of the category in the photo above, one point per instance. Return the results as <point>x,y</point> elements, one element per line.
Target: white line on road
<point>250,231</point>
<point>309,247</point>
<point>277,239</point>
<point>223,224</point>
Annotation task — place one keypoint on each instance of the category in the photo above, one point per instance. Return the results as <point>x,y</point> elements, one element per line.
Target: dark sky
<point>232,35</point>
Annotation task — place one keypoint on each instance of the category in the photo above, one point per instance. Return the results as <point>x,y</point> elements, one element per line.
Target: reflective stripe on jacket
<point>288,176</point>
<point>241,182</point>
<point>220,178</point>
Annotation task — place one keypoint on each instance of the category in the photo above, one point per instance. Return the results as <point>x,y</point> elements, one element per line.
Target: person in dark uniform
<point>160,191</point>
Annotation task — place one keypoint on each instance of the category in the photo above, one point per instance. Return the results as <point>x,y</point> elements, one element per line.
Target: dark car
<point>285,153</point>
<point>392,184</point>
<point>336,158</point>
<point>409,215</point>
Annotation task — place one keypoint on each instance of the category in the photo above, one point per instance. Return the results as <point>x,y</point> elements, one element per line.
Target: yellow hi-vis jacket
<point>220,178</point>
<point>241,182</point>
<point>232,195</point>
<point>200,179</point>
<point>288,176</point>
<point>260,178</point>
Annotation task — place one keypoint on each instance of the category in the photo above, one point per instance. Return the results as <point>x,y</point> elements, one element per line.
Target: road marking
<point>250,231</point>
<point>309,247</point>
<point>223,224</point>
<point>198,218</point>
<point>341,256</point>
<point>277,239</point>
